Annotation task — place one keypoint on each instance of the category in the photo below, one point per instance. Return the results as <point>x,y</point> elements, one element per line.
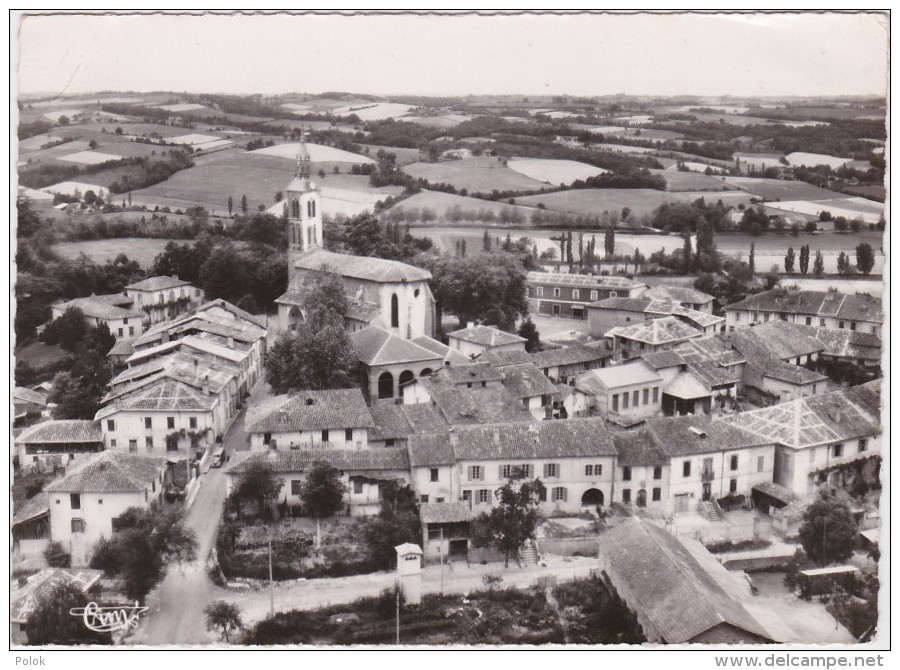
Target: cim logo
<point>109,619</point>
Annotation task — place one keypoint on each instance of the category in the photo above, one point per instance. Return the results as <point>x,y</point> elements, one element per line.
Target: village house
<point>476,339</point>
<point>673,595</point>
<point>623,394</point>
<point>337,418</point>
<point>163,298</point>
<point>388,363</point>
<point>446,529</point>
<point>686,296</point>
<point>642,470</point>
<point>692,384</point>
<point>115,311</point>
<point>395,423</point>
<point>826,309</point>
<point>26,594</point>
<point>362,471</point>
<point>654,335</point>
<point>848,347</point>
<point>85,503</point>
<point>561,366</point>
<point>575,460</point>
<point>562,294</point>
<point>832,439</point>
<point>525,382</point>
<point>29,405</point>
<point>54,444</point>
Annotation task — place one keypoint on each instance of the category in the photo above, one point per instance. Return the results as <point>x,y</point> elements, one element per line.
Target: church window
<point>313,203</point>
<point>395,311</point>
<point>295,209</point>
<point>385,386</point>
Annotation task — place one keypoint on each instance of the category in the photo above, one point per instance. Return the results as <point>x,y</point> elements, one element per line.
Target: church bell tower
<point>303,203</point>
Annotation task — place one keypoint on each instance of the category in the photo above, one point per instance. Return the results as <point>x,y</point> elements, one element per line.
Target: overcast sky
<point>743,55</point>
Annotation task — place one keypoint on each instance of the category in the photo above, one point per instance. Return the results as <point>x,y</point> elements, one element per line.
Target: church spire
<point>303,167</point>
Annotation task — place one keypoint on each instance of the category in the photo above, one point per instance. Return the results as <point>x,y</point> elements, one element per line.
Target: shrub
<point>56,556</point>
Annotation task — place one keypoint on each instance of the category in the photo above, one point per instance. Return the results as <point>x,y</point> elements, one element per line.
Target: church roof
<point>375,346</point>
<point>361,267</point>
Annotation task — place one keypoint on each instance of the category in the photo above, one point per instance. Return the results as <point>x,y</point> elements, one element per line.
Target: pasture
<point>442,121</point>
<point>89,157</point>
<point>374,112</point>
<point>440,202</point>
<point>850,208</point>
<point>480,174</point>
<point>556,172</point>
<point>140,249</point>
<point>622,148</point>
<point>317,153</point>
<point>676,180</point>
<point>780,189</point>
<point>596,200</point>
<point>404,155</point>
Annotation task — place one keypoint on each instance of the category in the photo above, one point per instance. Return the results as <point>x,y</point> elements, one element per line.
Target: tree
<point>56,556</point>
<point>513,520</point>
<point>51,622</point>
<point>322,491</point>
<point>147,541</point>
<point>230,205</point>
<point>686,254</point>
<point>609,241</point>
<point>397,523</point>
<point>819,264</point>
<point>865,257</point>
<point>486,241</point>
<point>244,204</point>
<point>68,330</point>
<point>77,392</point>
<point>804,259</point>
<point>532,337</point>
<point>828,533</point>
<point>260,484</point>
<point>224,616</point>
<point>843,264</point>
<point>789,261</point>
<point>752,260</point>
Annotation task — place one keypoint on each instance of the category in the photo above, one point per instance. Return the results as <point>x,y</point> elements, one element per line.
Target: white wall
<point>312,438</point>
<point>129,425</point>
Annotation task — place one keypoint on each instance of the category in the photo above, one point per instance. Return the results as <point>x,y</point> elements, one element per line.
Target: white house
<point>477,339</point>
<point>53,444</point>
<point>115,311</point>
<point>625,394</point>
<point>163,298</point>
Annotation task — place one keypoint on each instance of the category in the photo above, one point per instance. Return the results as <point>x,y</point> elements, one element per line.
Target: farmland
<point>481,174</point>
<point>596,200</point>
<point>557,172</point>
<point>317,153</point>
<point>142,250</point>
<point>440,202</point>
<point>779,189</point>
<point>676,180</point>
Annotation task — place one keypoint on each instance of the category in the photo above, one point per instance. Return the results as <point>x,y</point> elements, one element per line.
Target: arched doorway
<point>425,373</point>
<point>295,318</point>
<point>385,386</point>
<point>642,498</point>
<point>405,378</point>
<point>592,498</point>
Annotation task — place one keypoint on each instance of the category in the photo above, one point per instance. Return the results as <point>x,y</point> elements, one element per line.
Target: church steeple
<point>303,205</point>
<point>303,167</point>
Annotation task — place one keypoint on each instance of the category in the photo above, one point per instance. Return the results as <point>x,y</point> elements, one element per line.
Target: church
<point>391,307</point>
<point>389,294</point>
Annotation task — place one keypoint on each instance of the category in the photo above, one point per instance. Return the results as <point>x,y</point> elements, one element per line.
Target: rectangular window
<point>686,468</point>
<point>655,394</point>
<point>357,486</point>
<point>732,486</point>
<point>593,295</point>
<point>809,321</point>
<point>476,473</point>
<point>110,425</point>
<point>766,317</point>
<point>760,463</point>
<point>657,494</point>
<point>588,470</point>
<point>556,310</point>
<point>822,322</point>
<point>148,423</point>
<point>434,474</point>
<point>540,291</point>
<point>467,495</point>
<point>423,499</point>
<point>267,438</point>
<point>112,443</point>
<point>840,324</point>
<point>296,487</point>
<point>75,500</point>
<point>121,332</point>
<point>863,445</point>
<point>576,294</point>
<point>657,472</point>
<point>77,525</point>
<point>192,422</point>
<point>555,292</point>
<point>148,441</point>
<point>484,496</point>
<point>838,450</point>
<point>626,496</point>
<point>551,469</point>
<point>325,435</point>
<point>646,396</point>
<point>636,398</point>
<point>348,435</point>
<point>132,446</point>
<point>734,462</point>
<point>615,403</point>
<point>131,330</point>
<point>626,473</point>
<point>560,494</point>
<point>170,422</point>
<point>625,400</point>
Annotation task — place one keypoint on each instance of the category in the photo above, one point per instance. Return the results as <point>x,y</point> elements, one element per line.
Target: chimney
<point>470,324</point>
<point>495,435</point>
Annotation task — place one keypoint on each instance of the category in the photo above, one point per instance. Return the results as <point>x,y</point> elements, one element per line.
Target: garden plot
<point>90,158</point>
<point>317,153</point>
<point>557,172</point>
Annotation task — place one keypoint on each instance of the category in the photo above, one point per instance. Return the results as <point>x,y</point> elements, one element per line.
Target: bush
<point>726,546</point>
<point>56,556</point>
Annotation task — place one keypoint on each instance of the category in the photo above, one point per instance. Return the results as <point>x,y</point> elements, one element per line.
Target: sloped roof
<point>687,387</point>
<point>468,373</point>
<point>159,283</point>
<point>160,396</point>
<point>571,355</point>
<point>858,307</point>
<point>122,348</point>
<point>674,597</point>
<point>361,267</point>
<point>486,336</point>
<point>298,460</point>
<point>309,410</point>
<point>659,331</point>
<point>109,472</point>
<point>636,372</point>
<point>622,304</point>
<point>96,307</point>
<point>375,346</point>
<point>431,449</point>
<point>452,512</point>
<point>659,360</point>
<point>698,434</point>
<point>781,339</point>
<point>846,343</point>
<point>61,431</point>
<point>500,358</point>
<point>716,349</point>
<point>31,508</point>
<point>637,448</point>
<point>684,294</point>
<point>564,279</point>
<point>28,395</point>
<point>526,381</point>
<point>25,599</point>
<point>234,310</point>
<point>544,439</point>
<point>479,404</point>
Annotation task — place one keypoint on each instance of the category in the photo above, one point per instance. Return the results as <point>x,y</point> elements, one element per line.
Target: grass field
<point>317,153</point>
<point>404,156</point>
<point>441,202</point>
<point>556,172</point>
<point>39,355</point>
<point>480,174</point>
<point>142,250</point>
<point>779,189</point>
<point>692,181</point>
<point>728,198</point>
<point>596,200</point>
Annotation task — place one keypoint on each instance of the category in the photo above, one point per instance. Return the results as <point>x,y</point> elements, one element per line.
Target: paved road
<point>176,606</point>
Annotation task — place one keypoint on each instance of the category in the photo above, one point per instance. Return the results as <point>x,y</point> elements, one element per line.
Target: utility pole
<point>271,586</point>
<point>441,553</point>
<point>397,594</point>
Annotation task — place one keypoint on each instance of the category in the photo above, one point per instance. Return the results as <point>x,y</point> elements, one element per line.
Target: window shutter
<point>500,472</point>
<point>565,493</point>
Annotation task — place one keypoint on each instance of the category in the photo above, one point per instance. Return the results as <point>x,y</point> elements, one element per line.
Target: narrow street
<point>176,605</point>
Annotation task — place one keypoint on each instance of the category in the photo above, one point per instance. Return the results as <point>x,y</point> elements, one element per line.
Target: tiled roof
<point>160,396</point>
<point>711,375</point>
<point>479,404</point>
<point>572,355</point>
<point>686,386</point>
<point>401,421</point>
<point>674,597</point>
<point>25,599</point>
<point>636,372</point>
<point>235,311</point>
<point>235,353</point>
<point>698,434</point>
<point>361,267</point>
<point>63,431</point>
<point>109,472</point>
<point>28,395</point>
<point>781,339</point>
<point>160,283</point>
<point>366,312</point>
<point>31,508</point>
<point>622,304</point>
<point>469,373</point>
<point>638,448</point>
<point>452,512</point>
<point>859,307</point>
<point>96,307</point>
<point>659,360</point>
<point>178,366</point>
<point>716,349</point>
<point>761,360</point>
<point>845,343</point>
<point>298,460</point>
<point>659,331</point>
<point>500,358</point>
<point>486,336</point>
<point>526,381</point>
<point>290,297</point>
<point>309,410</point>
<point>122,348</point>
<point>702,319</point>
<point>684,294</point>
<point>375,346</point>
<point>563,279</point>
<point>432,449</point>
